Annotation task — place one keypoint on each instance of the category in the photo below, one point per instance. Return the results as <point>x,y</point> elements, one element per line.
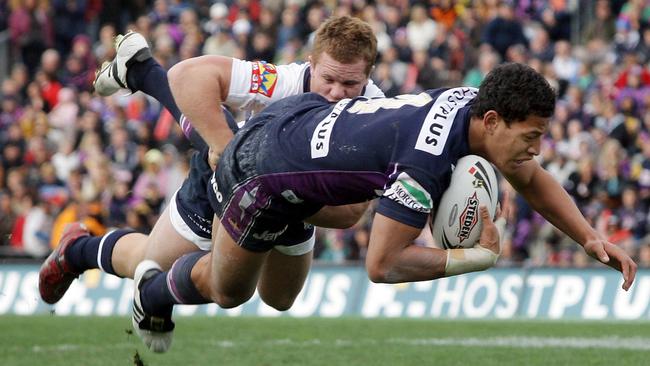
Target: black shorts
<point>191,212</point>
<point>255,217</point>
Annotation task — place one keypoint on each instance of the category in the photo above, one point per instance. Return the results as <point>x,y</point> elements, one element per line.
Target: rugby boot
<point>156,332</point>
<point>111,77</point>
<point>56,274</point>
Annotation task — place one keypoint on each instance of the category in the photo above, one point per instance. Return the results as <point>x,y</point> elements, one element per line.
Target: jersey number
<point>373,105</point>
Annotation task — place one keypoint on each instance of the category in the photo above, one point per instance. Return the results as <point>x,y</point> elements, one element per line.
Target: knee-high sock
<point>172,287</point>
<point>150,78</point>
<point>95,251</point>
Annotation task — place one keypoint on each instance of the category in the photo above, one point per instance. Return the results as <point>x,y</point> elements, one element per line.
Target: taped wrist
<point>469,260</point>
<point>501,228</point>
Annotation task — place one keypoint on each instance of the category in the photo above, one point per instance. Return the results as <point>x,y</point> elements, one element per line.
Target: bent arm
<point>199,86</point>
<point>393,258</point>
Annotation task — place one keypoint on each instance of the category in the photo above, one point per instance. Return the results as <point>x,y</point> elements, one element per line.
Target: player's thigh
<point>283,277</point>
<point>235,270</point>
<point>287,266</point>
<point>165,244</point>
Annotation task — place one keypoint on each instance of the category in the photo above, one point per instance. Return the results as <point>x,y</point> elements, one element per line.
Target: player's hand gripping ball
<point>457,223</point>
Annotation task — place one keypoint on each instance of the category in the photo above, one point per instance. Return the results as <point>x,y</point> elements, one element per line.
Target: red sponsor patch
<point>264,76</point>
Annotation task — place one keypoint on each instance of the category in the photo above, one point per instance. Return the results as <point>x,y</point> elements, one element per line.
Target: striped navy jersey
<point>400,149</point>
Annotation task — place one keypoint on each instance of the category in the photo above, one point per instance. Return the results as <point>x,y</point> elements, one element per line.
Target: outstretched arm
<point>547,197</point>
<point>199,86</point>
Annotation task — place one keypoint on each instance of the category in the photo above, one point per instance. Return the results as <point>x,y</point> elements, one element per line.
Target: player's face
<point>518,143</point>
<point>334,80</point>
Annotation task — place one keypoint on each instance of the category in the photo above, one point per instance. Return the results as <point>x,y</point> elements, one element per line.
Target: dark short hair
<point>515,91</point>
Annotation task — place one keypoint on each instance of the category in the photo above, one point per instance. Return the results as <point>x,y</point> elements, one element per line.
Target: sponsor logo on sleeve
<point>320,140</point>
<point>408,192</point>
<point>264,77</point>
<point>436,126</point>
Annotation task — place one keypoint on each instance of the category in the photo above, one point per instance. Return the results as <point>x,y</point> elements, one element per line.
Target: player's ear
<point>490,121</point>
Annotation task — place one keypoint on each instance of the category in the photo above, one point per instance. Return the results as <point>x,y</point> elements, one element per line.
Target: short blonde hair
<point>346,39</point>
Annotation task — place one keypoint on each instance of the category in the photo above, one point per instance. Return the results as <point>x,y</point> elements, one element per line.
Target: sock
<point>165,289</point>
<point>150,78</point>
<point>94,252</point>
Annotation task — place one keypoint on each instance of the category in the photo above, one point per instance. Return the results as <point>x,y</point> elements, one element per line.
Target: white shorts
<point>183,229</point>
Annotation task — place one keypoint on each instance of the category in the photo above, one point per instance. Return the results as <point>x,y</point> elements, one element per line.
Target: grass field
<point>54,340</point>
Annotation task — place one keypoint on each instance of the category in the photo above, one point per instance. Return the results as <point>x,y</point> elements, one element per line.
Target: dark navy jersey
<point>401,149</point>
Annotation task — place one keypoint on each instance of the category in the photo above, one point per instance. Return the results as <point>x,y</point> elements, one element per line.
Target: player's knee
<point>281,303</point>
<point>227,301</point>
<point>377,272</point>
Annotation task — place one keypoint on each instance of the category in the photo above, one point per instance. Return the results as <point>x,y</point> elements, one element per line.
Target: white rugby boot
<point>156,332</point>
<point>111,77</point>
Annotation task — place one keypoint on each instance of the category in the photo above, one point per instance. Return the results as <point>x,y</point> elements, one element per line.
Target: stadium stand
<point>69,155</point>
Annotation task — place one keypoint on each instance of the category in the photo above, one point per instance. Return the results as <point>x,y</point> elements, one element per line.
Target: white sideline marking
<point>631,343</point>
<point>614,343</point>
<point>67,347</point>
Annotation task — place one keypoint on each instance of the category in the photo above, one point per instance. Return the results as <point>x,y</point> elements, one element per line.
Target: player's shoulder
<point>296,102</point>
<point>453,94</point>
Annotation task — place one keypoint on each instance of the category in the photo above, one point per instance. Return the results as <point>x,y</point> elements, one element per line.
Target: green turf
<point>53,340</point>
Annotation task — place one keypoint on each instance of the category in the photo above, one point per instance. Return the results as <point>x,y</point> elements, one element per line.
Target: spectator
<point>420,30</point>
<point>30,31</point>
<point>504,31</point>
<point>7,219</point>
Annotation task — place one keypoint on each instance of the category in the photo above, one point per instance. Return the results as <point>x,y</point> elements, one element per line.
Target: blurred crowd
<point>69,155</point>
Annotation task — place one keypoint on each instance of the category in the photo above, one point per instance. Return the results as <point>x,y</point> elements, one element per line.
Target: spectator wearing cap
<point>217,20</point>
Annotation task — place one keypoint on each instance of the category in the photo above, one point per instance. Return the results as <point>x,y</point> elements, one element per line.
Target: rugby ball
<point>457,223</point>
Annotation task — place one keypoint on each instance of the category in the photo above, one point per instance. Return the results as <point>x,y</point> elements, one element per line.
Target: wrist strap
<point>469,260</point>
